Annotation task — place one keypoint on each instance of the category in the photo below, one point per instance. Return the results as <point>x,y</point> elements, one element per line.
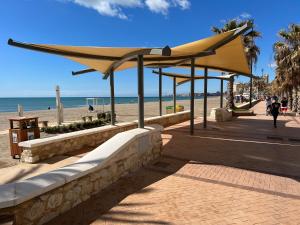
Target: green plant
<point>78,125</point>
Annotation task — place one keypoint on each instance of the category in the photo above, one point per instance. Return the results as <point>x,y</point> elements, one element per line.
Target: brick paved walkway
<point>238,172</point>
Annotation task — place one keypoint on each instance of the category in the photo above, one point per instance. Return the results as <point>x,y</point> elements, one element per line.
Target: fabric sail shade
<point>229,56</point>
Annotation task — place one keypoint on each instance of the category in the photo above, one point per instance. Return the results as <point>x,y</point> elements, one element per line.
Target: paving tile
<point>234,178</point>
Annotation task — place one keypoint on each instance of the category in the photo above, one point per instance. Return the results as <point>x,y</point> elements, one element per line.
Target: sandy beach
<point>125,112</point>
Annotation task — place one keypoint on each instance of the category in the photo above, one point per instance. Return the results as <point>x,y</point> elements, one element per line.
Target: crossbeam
<point>132,57</point>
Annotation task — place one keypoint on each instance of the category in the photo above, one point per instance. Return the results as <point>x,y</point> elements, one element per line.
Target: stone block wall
<point>221,114</point>
<point>124,153</point>
<point>40,149</point>
<point>246,105</point>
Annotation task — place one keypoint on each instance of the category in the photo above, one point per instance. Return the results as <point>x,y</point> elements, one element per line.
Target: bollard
<point>20,110</point>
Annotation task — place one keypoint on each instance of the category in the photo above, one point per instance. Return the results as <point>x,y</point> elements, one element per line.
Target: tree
<point>287,58</point>
<point>260,85</point>
<point>252,50</point>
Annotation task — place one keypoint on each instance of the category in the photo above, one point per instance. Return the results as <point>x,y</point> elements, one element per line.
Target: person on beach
<point>284,105</point>
<point>275,108</point>
<point>91,108</point>
<point>268,105</point>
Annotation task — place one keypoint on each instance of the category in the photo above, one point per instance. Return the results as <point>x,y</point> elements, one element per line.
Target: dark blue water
<point>30,104</point>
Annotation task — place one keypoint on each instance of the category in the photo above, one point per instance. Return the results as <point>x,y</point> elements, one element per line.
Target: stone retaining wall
<point>40,149</point>
<point>246,105</point>
<point>39,199</point>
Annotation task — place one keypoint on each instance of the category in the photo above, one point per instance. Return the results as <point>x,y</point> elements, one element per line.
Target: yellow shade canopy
<point>223,52</point>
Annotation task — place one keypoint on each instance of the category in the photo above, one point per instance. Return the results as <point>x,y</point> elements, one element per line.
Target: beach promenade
<point>238,172</point>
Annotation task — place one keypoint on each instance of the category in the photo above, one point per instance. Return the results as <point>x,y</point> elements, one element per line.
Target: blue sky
<point>119,23</point>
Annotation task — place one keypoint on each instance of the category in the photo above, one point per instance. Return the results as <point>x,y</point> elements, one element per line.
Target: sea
<point>32,104</point>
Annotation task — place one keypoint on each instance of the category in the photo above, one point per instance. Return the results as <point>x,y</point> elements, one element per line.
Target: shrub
<point>101,116</point>
<point>78,125</point>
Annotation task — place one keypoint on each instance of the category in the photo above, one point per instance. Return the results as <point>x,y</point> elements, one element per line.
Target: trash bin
<point>22,129</point>
<point>179,108</point>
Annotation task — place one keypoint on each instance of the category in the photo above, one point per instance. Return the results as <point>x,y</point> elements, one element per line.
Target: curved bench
<point>34,199</point>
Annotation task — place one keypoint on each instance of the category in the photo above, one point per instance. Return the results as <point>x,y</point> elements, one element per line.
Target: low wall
<point>40,149</point>
<point>246,105</point>
<point>221,114</point>
<point>39,199</point>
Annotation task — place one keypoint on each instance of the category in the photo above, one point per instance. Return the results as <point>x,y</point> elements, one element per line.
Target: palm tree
<point>252,51</point>
<point>287,57</point>
<point>260,85</point>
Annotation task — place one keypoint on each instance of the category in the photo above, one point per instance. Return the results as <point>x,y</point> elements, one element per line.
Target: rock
<point>35,211</point>
<point>55,200</point>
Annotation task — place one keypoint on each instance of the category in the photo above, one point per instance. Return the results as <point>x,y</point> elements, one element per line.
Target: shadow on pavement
<point>98,208</point>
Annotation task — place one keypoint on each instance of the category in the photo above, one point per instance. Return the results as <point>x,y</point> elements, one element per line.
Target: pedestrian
<point>268,105</point>
<point>91,108</point>
<point>284,105</point>
<point>275,108</point>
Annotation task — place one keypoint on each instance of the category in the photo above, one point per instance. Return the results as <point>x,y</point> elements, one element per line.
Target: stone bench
<point>39,199</point>
<point>221,114</point>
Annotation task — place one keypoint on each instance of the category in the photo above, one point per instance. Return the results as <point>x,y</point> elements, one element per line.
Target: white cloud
<point>272,65</point>
<point>109,7</point>
<point>158,6</point>
<point>245,15</point>
<point>114,8</point>
<point>184,4</point>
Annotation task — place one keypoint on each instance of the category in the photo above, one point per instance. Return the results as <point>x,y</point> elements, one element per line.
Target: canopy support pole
<point>205,99</point>
<point>221,93</point>
<point>250,97</point>
<point>112,97</point>
<point>141,90</point>
<point>251,68</point>
<point>192,96</point>
<point>160,91</point>
<point>174,94</point>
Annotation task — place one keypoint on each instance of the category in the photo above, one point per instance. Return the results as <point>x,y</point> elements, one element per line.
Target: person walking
<point>275,108</point>
<point>284,105</point>
<point>268,105</point>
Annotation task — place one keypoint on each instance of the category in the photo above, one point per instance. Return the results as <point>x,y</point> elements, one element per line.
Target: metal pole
<point>251,61</point>
<point>174,94</point>
<point>205,99</point>
<point>160,91</point>
<point>112,97</point>
<point>141,90</point>
<point>221,97</point>
<point>192,96</point>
